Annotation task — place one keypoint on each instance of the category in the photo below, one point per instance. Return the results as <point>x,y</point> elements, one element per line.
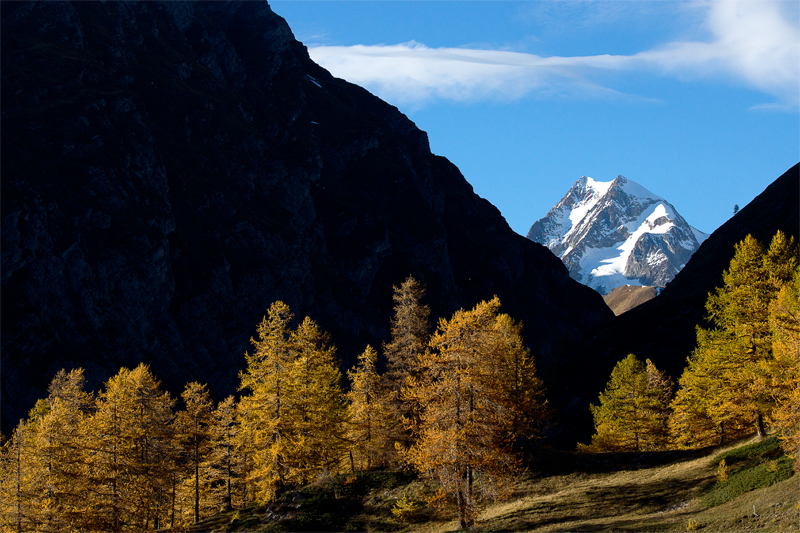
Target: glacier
<point>616,233</point>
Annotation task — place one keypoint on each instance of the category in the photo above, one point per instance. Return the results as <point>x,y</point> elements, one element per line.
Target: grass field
<point>564,491</point>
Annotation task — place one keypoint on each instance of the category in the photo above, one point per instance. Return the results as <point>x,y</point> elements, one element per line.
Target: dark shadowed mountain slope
<point>170,169</point>
<point>663,329</point>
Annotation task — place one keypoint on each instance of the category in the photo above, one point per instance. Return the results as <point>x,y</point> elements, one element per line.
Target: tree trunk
<point>760,426</point>
<point>172,511</point>
<point>465,518</point>
<point>196,489</point>
<point>19,488</point>
<point>462,509</point>
<point>228,497</point>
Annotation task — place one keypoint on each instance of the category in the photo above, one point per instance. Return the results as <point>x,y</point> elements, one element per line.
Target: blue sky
<point>697,101</point>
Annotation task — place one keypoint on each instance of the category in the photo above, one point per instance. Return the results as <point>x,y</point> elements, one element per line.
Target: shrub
<point>403,510</point>
<point>722,472</point>
<point>751,477</point>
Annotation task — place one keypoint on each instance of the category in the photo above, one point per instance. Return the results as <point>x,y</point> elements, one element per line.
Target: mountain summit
<point>616,233</point>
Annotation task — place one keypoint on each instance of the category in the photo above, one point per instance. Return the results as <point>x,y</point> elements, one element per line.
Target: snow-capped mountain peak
<point>617,233</point>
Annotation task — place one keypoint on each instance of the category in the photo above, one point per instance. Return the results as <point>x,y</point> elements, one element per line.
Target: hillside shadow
<point>546,462</point>
<point>608,507</point>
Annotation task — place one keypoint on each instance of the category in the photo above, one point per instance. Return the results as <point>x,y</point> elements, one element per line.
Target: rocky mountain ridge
<point>664,329</point>
<point>616,233</point>
<point>171,168</point>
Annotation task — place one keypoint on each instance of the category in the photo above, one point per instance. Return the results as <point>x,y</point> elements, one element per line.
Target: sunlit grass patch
<point>753,466</point>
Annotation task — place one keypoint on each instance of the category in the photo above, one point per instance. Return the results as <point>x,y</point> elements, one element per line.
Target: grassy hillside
<point>564,491</point>
<point>627,297</point>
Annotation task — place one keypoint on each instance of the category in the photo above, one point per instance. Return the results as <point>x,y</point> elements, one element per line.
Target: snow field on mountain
<point>596,227</point>
<point>609,263</point>
<point>579,212</point>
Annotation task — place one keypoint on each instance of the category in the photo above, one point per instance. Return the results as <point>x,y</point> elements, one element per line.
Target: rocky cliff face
<point>611,234</point>
<point>170,169</point>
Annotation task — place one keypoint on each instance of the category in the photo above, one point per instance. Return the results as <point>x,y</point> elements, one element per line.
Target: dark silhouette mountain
<point>663,329</point>
<point>170,169</point>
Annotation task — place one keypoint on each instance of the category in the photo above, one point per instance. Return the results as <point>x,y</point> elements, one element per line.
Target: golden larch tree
<point>61,452</point>
<point>660,390</point>
<point>266,418</point>
<point>785,366</point>
<point>20,481</point>
<point>43,465</point>
<point>133,459</point>
<point>410,332</point>
<point>465,430</point>
<point>193,434</point>
<point>727,383</point>
<point>631,415</point>
<point>369,420</point>
<point>522,390</point>
<point>225,461</point>
<point>292,423</point>
<point>321,406</point>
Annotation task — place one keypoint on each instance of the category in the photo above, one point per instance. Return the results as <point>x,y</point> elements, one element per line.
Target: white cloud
<point>412,72</point>
<point>753,42</point>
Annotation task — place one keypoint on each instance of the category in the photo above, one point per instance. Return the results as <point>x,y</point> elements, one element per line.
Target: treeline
<point>451,404</point>
<point>743,376</point>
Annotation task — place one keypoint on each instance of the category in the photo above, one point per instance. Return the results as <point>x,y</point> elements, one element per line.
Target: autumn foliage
<point>741,378</point>
<point>633,411</point>
<point>292,422</point>
<point>133,458</point>
<point>454,405</point>
<point>735,379</point>
<point>476,388</point>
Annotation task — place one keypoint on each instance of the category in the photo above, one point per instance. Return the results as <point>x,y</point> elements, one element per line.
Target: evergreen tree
<point>632,414</point>
<point>465,433</point>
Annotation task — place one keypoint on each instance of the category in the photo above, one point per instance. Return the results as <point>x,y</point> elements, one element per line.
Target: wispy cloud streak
<point>754,43</point>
